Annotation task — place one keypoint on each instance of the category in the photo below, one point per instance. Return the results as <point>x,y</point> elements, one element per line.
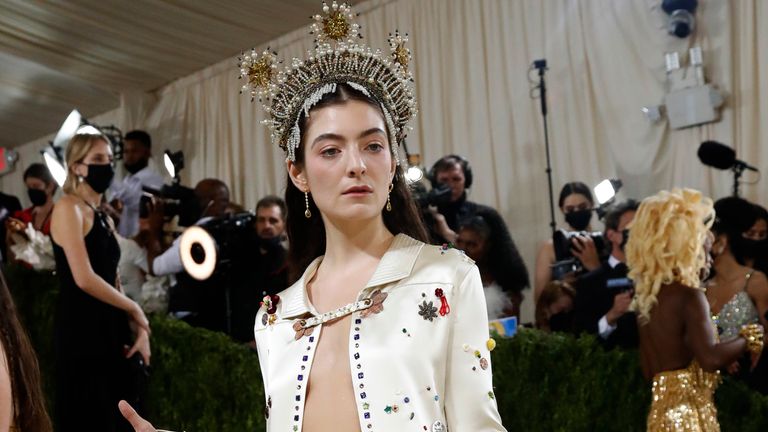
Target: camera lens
<point>198,253</point>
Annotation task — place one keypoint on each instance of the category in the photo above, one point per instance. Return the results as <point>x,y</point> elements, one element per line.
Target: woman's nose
<point>356,163</point>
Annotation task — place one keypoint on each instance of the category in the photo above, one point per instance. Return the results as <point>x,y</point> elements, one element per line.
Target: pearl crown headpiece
<point>337,58</point>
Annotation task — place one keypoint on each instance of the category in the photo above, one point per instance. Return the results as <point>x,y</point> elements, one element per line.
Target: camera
<point>177,200</point>
<point>620,285</point>
<point>434,197</point>
<point>564,241</point>
<point>217,245</point>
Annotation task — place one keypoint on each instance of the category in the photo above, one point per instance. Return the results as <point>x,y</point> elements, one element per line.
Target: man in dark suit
<point>603,295</point>
<point>9,205</point>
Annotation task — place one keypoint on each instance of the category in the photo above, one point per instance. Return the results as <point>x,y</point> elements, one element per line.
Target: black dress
<point>89,339</point>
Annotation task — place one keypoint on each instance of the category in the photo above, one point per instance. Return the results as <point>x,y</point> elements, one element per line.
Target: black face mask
<point>136,167</point>
<point>100,177</point>
<point>37,196</point>
<point>752,248</point>
<point>561,322</point>
<point>579,219</point>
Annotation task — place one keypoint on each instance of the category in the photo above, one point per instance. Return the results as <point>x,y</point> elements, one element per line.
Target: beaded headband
<point>337,58</point>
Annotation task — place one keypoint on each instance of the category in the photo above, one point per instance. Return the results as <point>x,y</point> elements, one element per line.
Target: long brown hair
<point>307,236</point>
<point>26,391</point>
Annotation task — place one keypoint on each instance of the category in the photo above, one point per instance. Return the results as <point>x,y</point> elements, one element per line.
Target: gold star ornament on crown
<point>337,58</point>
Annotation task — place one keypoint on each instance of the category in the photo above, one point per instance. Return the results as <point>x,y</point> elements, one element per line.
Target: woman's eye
<point>377,147</point>
<point>329,152</point>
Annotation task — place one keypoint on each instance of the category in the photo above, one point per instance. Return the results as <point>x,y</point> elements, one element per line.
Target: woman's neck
<point>347,242</point>
<point>45,208</point>
<point>726,266</point>
<point>87,194</point>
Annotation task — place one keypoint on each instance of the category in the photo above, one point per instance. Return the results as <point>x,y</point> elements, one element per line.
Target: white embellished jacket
<point>413,368</point>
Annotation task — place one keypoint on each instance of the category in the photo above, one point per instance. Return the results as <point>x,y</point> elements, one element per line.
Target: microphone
<point>720,156</point>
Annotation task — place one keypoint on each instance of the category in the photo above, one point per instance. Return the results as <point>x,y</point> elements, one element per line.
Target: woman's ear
<point>77,169</point>
<point>298,176</point>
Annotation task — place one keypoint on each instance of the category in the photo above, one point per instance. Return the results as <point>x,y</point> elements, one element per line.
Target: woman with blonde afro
<point>668,253</point>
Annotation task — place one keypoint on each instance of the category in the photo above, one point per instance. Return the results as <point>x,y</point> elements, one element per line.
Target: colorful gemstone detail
<point>445,308</point>
<point>377,299</point>
<point>298,327</point>
<point>490,344</point>
<point>483,363</point>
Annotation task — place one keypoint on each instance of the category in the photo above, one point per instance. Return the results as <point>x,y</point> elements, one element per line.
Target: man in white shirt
<point>126,194</point>
<point>603,296</point>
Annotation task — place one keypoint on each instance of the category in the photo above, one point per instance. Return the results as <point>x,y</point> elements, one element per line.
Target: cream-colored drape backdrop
<point>472,76</point>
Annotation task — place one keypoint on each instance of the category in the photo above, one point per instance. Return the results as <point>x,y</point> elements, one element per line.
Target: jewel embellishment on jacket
<point>270,303</point>
<point>427,311</point>
<point>445,308</point>
<point>372,305</point>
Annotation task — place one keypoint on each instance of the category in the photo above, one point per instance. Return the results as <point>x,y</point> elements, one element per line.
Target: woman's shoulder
<point>66,203</point>
<point>442,262</point>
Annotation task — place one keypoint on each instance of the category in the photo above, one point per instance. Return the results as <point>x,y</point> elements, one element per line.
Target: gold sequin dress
<point>683,401</point>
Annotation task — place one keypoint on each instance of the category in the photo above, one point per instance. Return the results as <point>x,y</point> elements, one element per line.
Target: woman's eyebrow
<point>337,137</point>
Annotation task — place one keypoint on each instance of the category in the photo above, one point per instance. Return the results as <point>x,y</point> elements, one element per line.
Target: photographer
<point>126,194</point>
<point>213,198</point>
<point>265,271</point>
<point>201,304</point>
<point>603,296</point>
<point>576,205</point>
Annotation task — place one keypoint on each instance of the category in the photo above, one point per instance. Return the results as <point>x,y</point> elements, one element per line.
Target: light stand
<point>738,170</point>
<point>541,66</point>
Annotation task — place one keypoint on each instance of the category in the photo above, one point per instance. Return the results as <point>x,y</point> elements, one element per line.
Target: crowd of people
<point>351,291</point>
<point>117,262</point>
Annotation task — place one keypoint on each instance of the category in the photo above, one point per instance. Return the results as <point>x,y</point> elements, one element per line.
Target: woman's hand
<point>141,345</point>
<point>14,225</point>
<point>130,414</point>
<point>441,225</point>
<point>138,318</point>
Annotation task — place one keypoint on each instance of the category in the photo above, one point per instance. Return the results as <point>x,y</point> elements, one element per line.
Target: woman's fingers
<point>130,414</point>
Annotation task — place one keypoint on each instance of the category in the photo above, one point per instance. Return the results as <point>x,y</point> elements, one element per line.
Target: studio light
<point>55,166</point>
<point>74,124</point>
<point>606,190</point>
<point>174,163</point>
<point>198,252</point>
<point>414,173</point>
<point>681,19</point>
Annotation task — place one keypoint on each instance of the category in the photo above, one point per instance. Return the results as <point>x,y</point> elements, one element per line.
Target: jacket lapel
<point>396,264</point>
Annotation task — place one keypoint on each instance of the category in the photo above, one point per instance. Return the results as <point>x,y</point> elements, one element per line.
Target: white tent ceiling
<point>60,55</point>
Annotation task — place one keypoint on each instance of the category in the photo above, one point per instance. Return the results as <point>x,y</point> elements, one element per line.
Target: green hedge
<point>201,381</point>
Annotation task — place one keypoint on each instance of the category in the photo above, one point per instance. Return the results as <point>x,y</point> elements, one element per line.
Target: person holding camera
<point>450,177</point>
<point>97,357</point>
<point>267,272</point>
<point>200,303</point>
<point>126,194</point>
<point>604,295</point>
<point>577,205</point>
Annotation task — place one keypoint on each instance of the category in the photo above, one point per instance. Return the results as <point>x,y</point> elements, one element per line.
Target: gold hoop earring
<point>389,203</point>
<point>307,213</point>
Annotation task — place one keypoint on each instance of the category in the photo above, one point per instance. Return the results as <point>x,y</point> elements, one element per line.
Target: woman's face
<point>758,231</point>
<point>575,202</point>
<point>472,243</point>
<point>564,303</point>
<point>99,154</point>
<point>39,184</point>
<point>348,166</point>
